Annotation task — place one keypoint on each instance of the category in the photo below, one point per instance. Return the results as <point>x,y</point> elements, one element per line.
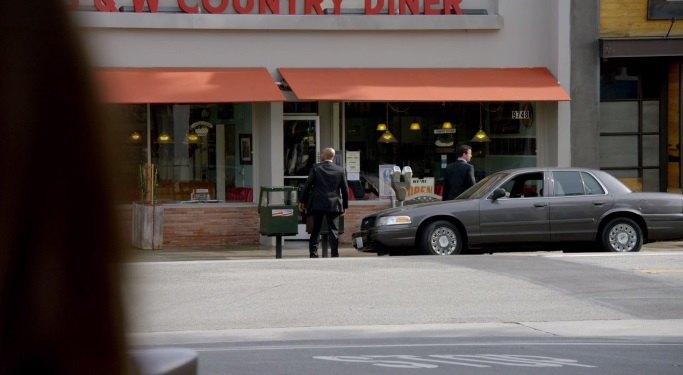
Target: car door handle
<point>598,203</point>
<point>539,205</point>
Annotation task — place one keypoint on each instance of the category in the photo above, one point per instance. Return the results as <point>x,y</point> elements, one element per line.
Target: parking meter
<point>396,174</point>
<point>407,174</point>
<point>400,182</point>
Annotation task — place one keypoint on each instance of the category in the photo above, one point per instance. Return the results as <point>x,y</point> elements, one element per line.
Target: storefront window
<point>630,122</point>
<point>197,149</point>
<point>425,137</point>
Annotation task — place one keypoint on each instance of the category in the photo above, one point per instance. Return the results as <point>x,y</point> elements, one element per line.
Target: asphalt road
<point>504,313</point>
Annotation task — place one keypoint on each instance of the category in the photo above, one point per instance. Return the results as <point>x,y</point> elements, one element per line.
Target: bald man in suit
<point>326,194</point>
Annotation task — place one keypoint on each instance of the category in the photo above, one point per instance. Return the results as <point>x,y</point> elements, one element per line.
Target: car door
<point>577,203</point>
<point>520,216</point>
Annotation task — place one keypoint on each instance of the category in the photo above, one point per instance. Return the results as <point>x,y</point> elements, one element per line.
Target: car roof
<point>550,169</point>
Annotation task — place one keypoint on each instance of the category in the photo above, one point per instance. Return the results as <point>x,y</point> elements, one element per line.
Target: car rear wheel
<point>622,235</point>
<point>441,238</point>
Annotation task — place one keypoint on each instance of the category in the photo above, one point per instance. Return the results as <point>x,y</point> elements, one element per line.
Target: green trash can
<point>278,213</point>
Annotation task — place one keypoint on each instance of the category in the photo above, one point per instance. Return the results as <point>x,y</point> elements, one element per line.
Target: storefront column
<point>554,131</point>
<point>268,165</point>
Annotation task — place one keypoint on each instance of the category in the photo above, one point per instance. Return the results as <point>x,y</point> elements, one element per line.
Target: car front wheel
<point>622,235</point>
<point>441,238</point>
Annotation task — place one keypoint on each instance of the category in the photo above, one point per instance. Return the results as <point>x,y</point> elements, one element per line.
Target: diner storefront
<point>224,98</point>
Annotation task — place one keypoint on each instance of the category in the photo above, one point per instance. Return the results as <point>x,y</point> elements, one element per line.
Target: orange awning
<point>456,85</point>
<point>161,85</point>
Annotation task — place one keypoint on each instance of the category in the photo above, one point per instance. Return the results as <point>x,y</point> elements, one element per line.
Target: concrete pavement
<point>290,249</point>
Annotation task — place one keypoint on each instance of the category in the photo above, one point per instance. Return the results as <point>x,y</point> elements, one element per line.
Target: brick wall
<point>625,18</point>
<point>224,225</point>
<point>353,217</point>
<point>195,226</point>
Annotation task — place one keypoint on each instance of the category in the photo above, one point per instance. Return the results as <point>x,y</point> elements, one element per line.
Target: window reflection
<point>194,147</point>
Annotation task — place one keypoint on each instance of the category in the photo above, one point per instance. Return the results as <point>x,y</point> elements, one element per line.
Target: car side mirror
<point>498,193</point>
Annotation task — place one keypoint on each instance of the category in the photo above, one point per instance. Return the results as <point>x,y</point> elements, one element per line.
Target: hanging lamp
<point>481,135</point>
<point>165,138</point>
<point>192,138</point>
<point>382,126</point>
<point>135,137</point>
<point>415,126</point>
<point>387,137</point>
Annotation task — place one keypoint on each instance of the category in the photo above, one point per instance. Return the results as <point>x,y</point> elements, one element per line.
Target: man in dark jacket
<point>459,176</point>
<point>326,194</point>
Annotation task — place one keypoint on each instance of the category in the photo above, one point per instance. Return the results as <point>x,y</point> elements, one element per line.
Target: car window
<point>526,185</point>
<point>483,187</point>
<point>568,183</point>
<point>591,185</point>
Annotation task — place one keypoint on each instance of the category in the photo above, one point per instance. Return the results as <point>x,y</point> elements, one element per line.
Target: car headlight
<point>393,220</point>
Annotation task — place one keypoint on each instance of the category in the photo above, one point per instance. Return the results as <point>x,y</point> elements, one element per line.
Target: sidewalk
<point>290,249</point>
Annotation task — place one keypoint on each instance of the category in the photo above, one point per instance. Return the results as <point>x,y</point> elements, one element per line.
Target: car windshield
<point>483,187</point>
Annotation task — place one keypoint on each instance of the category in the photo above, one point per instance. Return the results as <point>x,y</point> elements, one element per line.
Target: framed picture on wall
<point>245,149</point>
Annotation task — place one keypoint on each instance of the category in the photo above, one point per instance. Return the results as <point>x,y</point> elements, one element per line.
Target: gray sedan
<point>565,208</point>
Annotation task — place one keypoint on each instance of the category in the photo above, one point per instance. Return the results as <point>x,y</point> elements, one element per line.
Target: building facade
<point>640,48</point>
<point>226,97</point>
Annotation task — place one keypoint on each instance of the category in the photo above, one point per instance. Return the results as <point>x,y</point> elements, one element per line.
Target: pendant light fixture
<point>192,138</point>
<point>382,126</point>
<point>165,138</point>
<point>415,126</point>
<point>387,136</point>
<point>481,135</point>
<point>135,137</point>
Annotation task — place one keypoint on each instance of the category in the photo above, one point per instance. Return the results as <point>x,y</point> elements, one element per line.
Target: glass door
<point>301,141</point>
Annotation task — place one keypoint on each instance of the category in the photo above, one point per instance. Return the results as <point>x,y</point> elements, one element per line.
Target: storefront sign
<point>421,186</point>
<point>372,7</point>
<point>664,10</point>
<point>353,165</point>
<point>521,115</point>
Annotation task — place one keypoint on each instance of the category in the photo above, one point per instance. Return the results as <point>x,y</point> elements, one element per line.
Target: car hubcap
<point>443,241</point>
<point>623,237</point>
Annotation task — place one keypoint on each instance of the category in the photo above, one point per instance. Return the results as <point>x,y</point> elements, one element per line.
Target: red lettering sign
<point>452,4</point>
<point>272,5</point>
<point>243,9</point>
<point>188,9</point>
<point>370,10</point>
<point>215,9</point>
<point>337,6</point>
<point>139,5</point>
<point>311,5</point>
<point>106,5</point>
<point>412,5</point>
<point>428,7</point>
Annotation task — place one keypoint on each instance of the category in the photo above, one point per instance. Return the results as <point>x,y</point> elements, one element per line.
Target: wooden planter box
<point>148,226</point>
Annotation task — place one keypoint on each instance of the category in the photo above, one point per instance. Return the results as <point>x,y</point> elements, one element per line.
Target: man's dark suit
<point>459,176</point>
<point>325,194</point>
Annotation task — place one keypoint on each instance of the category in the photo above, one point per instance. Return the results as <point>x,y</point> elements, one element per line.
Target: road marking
<point>477,360</point>
<point>612,254</point>
<point>365,346</point>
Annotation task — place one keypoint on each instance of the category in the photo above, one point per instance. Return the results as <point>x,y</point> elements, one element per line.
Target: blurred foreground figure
<point>60,303</point>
